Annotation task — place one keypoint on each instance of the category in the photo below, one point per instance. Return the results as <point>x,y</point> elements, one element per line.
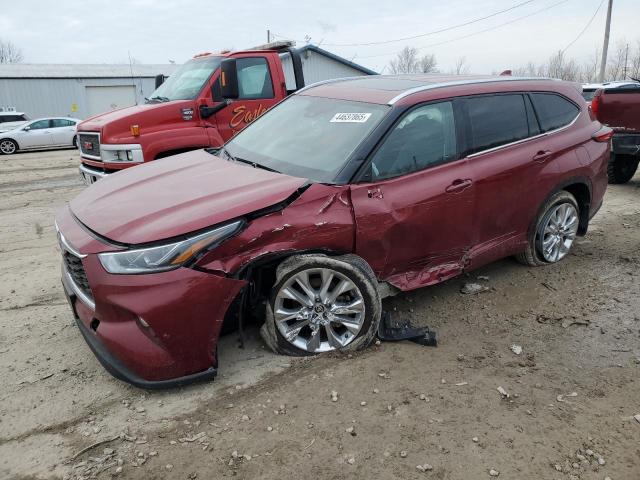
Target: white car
<point>40,133</point>
<point>11,120</point>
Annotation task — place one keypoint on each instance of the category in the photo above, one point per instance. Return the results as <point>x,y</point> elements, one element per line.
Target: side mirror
<point>229,79</point>
<point>26,129</point>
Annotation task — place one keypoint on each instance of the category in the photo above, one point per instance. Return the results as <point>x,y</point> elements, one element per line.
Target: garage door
<point>103,99</point>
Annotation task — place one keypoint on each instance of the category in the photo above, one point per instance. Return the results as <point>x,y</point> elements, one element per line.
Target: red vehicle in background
<point>187,111</point>
<point>618,106</point>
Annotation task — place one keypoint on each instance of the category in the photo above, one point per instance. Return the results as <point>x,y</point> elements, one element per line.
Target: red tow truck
<point>618,106</point>
<point>188,111</point>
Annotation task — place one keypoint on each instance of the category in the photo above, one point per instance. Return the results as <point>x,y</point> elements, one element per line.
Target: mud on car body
<point>344,191</point>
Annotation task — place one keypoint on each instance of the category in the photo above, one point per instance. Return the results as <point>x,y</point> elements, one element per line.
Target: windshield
<point>588,94</point>
<point>187,81</point>
<point>309,137</point>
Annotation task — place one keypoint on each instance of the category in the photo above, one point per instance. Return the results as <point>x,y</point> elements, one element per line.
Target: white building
<point>81,91</point>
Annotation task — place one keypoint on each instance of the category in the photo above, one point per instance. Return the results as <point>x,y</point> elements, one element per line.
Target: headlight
<point>165,257</point>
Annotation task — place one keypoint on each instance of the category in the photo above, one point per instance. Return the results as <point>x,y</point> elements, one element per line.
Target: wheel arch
<point>580,188</point>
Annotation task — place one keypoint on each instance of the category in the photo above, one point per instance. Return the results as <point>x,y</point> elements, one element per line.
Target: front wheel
<point>8,146</point>
<point>321,304</point>
<point>555,231</point>
<point>74,142</point>
<point>621,168</point>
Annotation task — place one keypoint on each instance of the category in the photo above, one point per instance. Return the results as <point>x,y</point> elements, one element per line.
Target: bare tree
<point>428,64</point>
<point>461,67</point>
<point>407,61</point>
<point>9,53</point>
<point>616,64</point>
<point>634,62</point>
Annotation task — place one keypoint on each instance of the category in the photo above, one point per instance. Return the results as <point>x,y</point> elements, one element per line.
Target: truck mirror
<point>229,79</point>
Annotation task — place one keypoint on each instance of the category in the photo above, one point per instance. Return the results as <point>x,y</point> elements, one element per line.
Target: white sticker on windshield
<point>350,117</point>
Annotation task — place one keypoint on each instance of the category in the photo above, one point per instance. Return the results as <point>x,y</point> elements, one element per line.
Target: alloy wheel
<point>7,147</point>
<point>319,310</point>
<point>558,232</point>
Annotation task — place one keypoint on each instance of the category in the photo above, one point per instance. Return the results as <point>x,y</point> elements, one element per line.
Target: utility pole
<point>626,58</point>
<point>268,36</point>
<point>605,47</point>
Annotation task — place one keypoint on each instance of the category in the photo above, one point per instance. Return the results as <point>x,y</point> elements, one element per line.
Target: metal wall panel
<point>317,67</point>
<point>55,97</point>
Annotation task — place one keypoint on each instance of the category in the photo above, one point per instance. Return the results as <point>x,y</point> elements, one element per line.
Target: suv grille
<point>89,144</point>
<point>74,266</point>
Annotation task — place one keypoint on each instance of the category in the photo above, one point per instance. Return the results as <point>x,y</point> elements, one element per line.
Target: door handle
<point>375,192</point>
<point>459,185</point>
<point>542,155</point>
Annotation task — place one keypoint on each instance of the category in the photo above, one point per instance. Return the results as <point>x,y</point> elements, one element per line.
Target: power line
<point>475,33</point>
<point>433,32</point>
<point>585,27</point>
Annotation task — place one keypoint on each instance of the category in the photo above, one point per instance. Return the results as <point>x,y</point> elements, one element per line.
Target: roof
<point>616,84</point>
<point>388,89</point>
<point>10,112</point>
<point>41,70</point>
<point>337,58</point>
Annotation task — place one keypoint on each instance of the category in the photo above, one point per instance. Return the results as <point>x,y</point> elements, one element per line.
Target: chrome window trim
<point>86,155</point>
<point>517,142</point>
<point>434,86</point>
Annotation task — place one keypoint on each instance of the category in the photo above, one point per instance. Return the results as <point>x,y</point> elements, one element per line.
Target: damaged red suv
<point>341,194</point>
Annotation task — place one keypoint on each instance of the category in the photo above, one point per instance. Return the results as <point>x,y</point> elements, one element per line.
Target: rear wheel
<point>74,142</point>
<point>622,168</point>
<point>321,304</point>
<point>555,231</point>
<point>8,146</point>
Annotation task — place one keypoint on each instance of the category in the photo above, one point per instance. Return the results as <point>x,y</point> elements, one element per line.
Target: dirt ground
<point>402,410</point>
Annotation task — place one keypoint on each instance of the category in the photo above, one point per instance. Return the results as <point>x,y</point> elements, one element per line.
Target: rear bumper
<point>626,143</point>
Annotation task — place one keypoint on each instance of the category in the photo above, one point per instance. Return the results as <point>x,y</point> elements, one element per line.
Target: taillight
<point>603,135</point>
<point>595,103</point>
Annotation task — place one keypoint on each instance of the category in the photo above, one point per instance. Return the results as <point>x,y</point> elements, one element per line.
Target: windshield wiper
<point>248,162</point>
<point>158,98</point>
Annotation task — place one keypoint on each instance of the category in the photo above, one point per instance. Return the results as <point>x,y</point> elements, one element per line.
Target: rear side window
<point>424,137</point>
<point>496,120</point>
<point>553,110</point>
<point>62,122</point>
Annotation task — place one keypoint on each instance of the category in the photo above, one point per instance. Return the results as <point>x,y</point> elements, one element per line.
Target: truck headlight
<point>166,257</point>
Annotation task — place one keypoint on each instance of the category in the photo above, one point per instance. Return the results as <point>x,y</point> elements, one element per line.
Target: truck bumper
<point>626,143</point>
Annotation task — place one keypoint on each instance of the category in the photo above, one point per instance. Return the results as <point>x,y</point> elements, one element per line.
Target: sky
<point>159,31</point>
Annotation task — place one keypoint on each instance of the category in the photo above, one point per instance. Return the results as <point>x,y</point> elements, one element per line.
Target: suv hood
<point>177,195</point>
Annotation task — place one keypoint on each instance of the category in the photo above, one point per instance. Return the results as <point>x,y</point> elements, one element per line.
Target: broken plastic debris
<point>394,330</point>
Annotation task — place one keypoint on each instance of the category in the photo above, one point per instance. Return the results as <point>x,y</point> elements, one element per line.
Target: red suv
<point>342,193</point>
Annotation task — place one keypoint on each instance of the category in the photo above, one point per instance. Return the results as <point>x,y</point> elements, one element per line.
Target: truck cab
<point>188,111</point>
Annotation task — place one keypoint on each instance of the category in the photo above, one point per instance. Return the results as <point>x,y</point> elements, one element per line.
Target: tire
<point>331,333</point>
<point>74,142</point>
<point>621,168</point>
<point>8,146</point>
<point>534,255</point>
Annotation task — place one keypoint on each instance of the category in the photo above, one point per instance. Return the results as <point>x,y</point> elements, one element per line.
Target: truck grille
<point>74,266</point>
<point>89,144</point>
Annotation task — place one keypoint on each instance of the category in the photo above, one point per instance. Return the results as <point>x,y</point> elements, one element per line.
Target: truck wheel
<point>8,146</point>
<point>621,168</point>
<point>555,230</point>
<point>321,304</point>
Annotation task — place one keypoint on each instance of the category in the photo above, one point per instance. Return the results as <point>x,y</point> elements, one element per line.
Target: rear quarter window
<point>553,110</point>
<point>496,120</point>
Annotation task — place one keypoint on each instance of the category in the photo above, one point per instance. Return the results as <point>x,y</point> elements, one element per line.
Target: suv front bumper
<point>155,330</point>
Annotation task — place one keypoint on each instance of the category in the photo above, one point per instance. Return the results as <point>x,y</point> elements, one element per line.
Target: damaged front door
<point>414,211</point>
